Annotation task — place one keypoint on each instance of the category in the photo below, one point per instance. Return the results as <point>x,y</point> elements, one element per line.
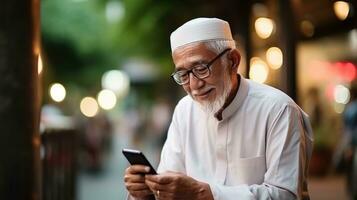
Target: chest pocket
<point>248,171</point>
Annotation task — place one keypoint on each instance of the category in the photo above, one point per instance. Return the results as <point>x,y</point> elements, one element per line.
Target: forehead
<point>185,56</point>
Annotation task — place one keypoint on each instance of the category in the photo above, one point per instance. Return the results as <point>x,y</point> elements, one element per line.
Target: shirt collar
<point>238,100</point>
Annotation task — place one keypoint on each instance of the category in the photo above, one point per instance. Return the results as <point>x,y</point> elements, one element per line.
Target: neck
<point>232,94</point>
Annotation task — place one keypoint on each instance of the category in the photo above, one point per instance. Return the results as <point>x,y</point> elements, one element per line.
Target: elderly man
<point>230,138</point>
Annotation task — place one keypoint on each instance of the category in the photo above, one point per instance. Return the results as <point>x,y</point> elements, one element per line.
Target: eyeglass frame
<point>208,66</point>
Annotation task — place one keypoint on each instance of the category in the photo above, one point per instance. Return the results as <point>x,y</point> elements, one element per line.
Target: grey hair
<point>217,46</point>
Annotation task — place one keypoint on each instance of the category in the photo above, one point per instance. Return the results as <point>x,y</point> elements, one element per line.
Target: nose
<point>195,83</point>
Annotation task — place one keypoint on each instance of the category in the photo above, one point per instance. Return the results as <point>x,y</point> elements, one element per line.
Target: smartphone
<point>136,157</point>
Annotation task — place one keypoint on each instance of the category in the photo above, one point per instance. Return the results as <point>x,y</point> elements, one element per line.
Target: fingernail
<point>147,169</point>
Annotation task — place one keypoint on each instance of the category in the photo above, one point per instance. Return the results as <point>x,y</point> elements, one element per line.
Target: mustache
<point>201,91</point>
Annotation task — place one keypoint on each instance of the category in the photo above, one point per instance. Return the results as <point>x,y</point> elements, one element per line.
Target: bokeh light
<point>341,9</point>
<point>258,70</point>
<point>116,81</point>
<point>341,94</point>
<point>264,27</point>
<point>39,64</point>
<point>114,11</point>
<point>107,99</point>
<point>89,107</point>
<point>57,92</point>
<point>274,57</point>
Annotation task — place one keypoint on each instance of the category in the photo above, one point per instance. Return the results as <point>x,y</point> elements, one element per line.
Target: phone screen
<point>136,157</point>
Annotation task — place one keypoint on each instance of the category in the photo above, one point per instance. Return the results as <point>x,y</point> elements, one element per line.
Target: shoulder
<point>184,103</point>
<point>268,95</point>
<point>184,106</point>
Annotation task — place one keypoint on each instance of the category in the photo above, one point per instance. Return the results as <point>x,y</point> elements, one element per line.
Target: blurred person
<point>229,138</point>
<point>160,119</point>
<point>321,158</point>
<point>97,140</point>
<point>313,107</point>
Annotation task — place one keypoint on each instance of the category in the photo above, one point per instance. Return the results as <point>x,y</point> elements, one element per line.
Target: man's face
<point>210,89</point>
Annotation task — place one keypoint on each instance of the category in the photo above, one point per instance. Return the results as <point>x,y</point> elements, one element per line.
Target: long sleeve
<point>260,151</point>
<point>288,148</point>
<point>172,155</point>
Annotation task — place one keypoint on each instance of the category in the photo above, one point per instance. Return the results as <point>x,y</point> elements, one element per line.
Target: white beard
<point>212,107</point>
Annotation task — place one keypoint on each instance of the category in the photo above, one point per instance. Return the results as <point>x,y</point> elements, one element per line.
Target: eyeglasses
<point>200,71</point>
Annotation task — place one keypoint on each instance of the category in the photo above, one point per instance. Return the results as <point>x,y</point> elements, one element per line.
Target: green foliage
<point>80,23</point>
<point>79,44</point>
<point>143,33</point>
<point>76,42</point>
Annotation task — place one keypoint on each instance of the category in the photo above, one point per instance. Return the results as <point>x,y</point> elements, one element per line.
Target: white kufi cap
<point>200,30</point>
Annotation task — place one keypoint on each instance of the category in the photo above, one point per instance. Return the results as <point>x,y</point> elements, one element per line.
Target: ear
<point>235,57</point>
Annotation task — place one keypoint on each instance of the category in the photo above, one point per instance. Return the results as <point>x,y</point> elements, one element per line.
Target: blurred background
<point>104,83</point>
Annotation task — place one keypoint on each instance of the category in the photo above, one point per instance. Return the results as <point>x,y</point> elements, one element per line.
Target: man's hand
<point>134,179</point>
<point>172,186</point>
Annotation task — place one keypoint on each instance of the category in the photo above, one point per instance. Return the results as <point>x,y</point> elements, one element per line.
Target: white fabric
<point>260,150</point>
<point>199,30</point>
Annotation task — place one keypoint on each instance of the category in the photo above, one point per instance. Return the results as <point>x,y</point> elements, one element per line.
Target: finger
<point>161,178</point>
<point>136,186</point>
<point>137,169</point>
<point>163,195</point>
<point>154,186</point>
<point>141,193</point>
<point>134,178</point>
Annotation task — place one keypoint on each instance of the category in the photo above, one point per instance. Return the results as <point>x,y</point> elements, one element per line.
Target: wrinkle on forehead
<point>186,56</point>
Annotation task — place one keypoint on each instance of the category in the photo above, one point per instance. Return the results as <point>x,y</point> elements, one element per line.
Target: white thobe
<point>259,150</point>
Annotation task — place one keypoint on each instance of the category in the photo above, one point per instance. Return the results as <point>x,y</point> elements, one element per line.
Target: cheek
<point>218,82</point>
<point>217,76</point>
<point>187,88</point>
<point>215,81</point>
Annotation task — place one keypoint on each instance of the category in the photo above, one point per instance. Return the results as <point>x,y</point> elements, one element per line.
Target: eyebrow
<point>180,68</point>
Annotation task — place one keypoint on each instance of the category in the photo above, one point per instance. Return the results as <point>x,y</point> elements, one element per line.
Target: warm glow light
<point>258,70</point>
<point>107,99</point>
<point>274,57</point>
<point>341,9</point>
<point>264,27</point>
<point>89,106</point>
<point>39,64</point>
<point>341,94</point>
<point>57,92</point>
<point>116,81</point>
